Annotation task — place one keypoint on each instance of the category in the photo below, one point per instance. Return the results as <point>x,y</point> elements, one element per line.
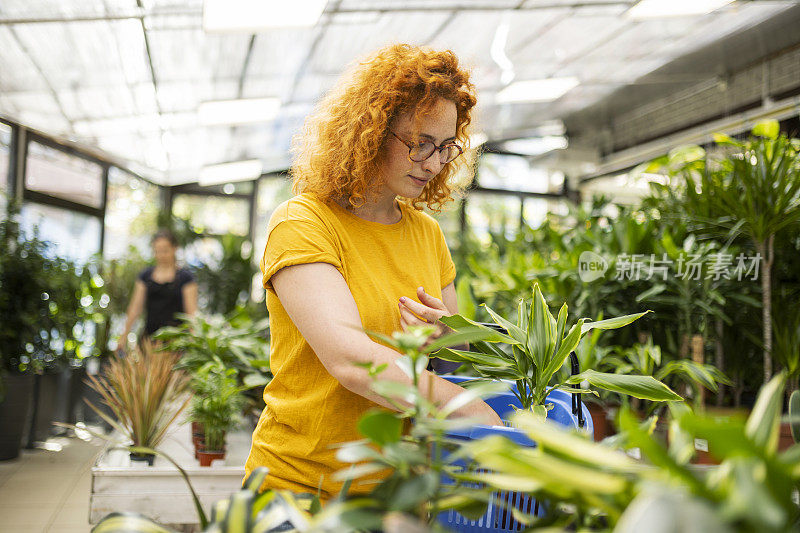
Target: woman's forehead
<point>439,122</point>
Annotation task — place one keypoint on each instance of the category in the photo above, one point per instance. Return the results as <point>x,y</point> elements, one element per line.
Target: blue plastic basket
<point>567,411</point>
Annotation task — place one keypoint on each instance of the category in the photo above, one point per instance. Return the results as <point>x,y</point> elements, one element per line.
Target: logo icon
<point>591,266</point>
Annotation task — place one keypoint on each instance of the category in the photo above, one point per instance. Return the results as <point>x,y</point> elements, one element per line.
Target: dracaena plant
<point>592,486</point>
<point>646,359</point>
<point>538,345</point>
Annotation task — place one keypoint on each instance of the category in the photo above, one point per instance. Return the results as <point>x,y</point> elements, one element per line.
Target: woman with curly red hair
<point>353,251</point>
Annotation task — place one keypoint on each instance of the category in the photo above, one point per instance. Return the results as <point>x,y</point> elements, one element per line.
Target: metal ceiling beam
<point>49,85</point>
<point>489,6</point>
<point>152,74</point>
<point>301,70</point>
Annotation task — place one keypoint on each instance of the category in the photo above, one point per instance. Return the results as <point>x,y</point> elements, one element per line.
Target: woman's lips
<point>418,181</point>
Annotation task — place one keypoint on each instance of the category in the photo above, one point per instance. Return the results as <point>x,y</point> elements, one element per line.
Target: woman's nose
<point>432,164</point>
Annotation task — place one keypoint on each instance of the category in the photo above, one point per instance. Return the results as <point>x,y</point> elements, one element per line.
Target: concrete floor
<point>47,490</point>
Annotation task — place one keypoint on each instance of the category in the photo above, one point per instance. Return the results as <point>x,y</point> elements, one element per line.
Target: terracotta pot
<point>206,457</point>
<point>785,440</point>
<point>198,437</point>
<point>603,426</point>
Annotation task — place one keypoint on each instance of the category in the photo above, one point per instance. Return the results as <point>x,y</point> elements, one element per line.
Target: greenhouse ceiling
<point>139,78</point>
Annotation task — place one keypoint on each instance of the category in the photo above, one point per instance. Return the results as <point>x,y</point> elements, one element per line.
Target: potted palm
<point>145,393</point>
<point>752,191</point>
<point>216,406</point>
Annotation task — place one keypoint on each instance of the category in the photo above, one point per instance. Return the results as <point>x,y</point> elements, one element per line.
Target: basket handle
<point>575,369</point>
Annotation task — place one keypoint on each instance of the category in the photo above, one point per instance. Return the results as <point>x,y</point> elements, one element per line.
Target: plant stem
<point>719,324</point>
<point>766,249</point>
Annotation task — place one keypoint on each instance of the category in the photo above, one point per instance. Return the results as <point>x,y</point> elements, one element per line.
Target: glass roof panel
<point>62,8</point>
<point>14,59</point>
<point>341,44</point>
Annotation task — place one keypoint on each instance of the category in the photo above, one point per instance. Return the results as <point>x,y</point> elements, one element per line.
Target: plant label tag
<point>701,445</point>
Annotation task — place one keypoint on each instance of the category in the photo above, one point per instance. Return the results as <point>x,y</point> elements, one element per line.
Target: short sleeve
<point>296,242</point>
<point>446,265</point>
<point>185,277</point>
<point>144,275</point>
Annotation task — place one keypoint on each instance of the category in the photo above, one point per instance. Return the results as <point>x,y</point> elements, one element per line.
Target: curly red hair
<point>339,152</point>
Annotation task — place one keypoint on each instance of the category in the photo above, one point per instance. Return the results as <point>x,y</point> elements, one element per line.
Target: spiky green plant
<point>145,394</point>
<point>539,346</point>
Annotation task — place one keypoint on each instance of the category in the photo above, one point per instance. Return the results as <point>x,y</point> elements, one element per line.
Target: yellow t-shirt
<point>307,410</point>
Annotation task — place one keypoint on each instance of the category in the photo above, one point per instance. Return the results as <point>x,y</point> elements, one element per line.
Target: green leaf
<point>256,479</point>
<point>414,491</point>
<point>721,138</point>
<point>561,325</point>
<point>380,426</point>
<point>116,522</point>
<point>472,504</point>
<point>395,390</point>
<point>238,514</point>
<point>462,336</point>
<point>769,129</point>
<point>254,380</point>
<point>570,445</point>
<point>466,303</point>
<point>460,356</point>
<point>763,425</point>
<point>570,343</point>
<point>644,387</point>
<point>655,290</point>
<point>518,334</point>
<point>671,510</point>
<point>612,323</point>
<point>541,330</point>
<point>458,323</point>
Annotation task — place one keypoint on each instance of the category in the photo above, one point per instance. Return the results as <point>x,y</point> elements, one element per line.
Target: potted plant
<point>24,308</point>
<point>235,341</point>
<point>539,346</point>
<point>145,394</point>
<point>751,190</point>
<point>216,405</point>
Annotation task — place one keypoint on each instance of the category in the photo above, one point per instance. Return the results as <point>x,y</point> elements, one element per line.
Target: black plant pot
<point>14,411</point>
<point>68,395</point>
<point>45,403</point>
<point>149,458</point>
<point>77,375</point>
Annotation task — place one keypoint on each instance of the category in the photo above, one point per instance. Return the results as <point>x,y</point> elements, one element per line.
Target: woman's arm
<point>189,292</point>
<point>319,302</point>
<point>135,308</point>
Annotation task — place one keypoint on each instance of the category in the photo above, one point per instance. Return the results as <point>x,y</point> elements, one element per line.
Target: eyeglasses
<point>420,152</point>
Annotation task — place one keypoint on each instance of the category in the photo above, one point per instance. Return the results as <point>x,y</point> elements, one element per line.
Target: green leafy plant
<point>646,359</point>
<point>234,341</point>
<point>226,283</point>
<point>539,346</point>
<point>145,394</point>
<point>216,404</point>
<point>751,190</point>
<point>415,463</point>
<point>594,486</point>
<point>25,263</point>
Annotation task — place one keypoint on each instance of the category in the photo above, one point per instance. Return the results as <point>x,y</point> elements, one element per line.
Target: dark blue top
<point>163,300</point>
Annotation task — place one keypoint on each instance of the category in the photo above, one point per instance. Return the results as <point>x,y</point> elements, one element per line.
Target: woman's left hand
<point>428,312</point>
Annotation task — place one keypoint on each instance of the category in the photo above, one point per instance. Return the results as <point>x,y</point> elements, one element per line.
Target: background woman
<point>354,251</point>
<point>161,291</point>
